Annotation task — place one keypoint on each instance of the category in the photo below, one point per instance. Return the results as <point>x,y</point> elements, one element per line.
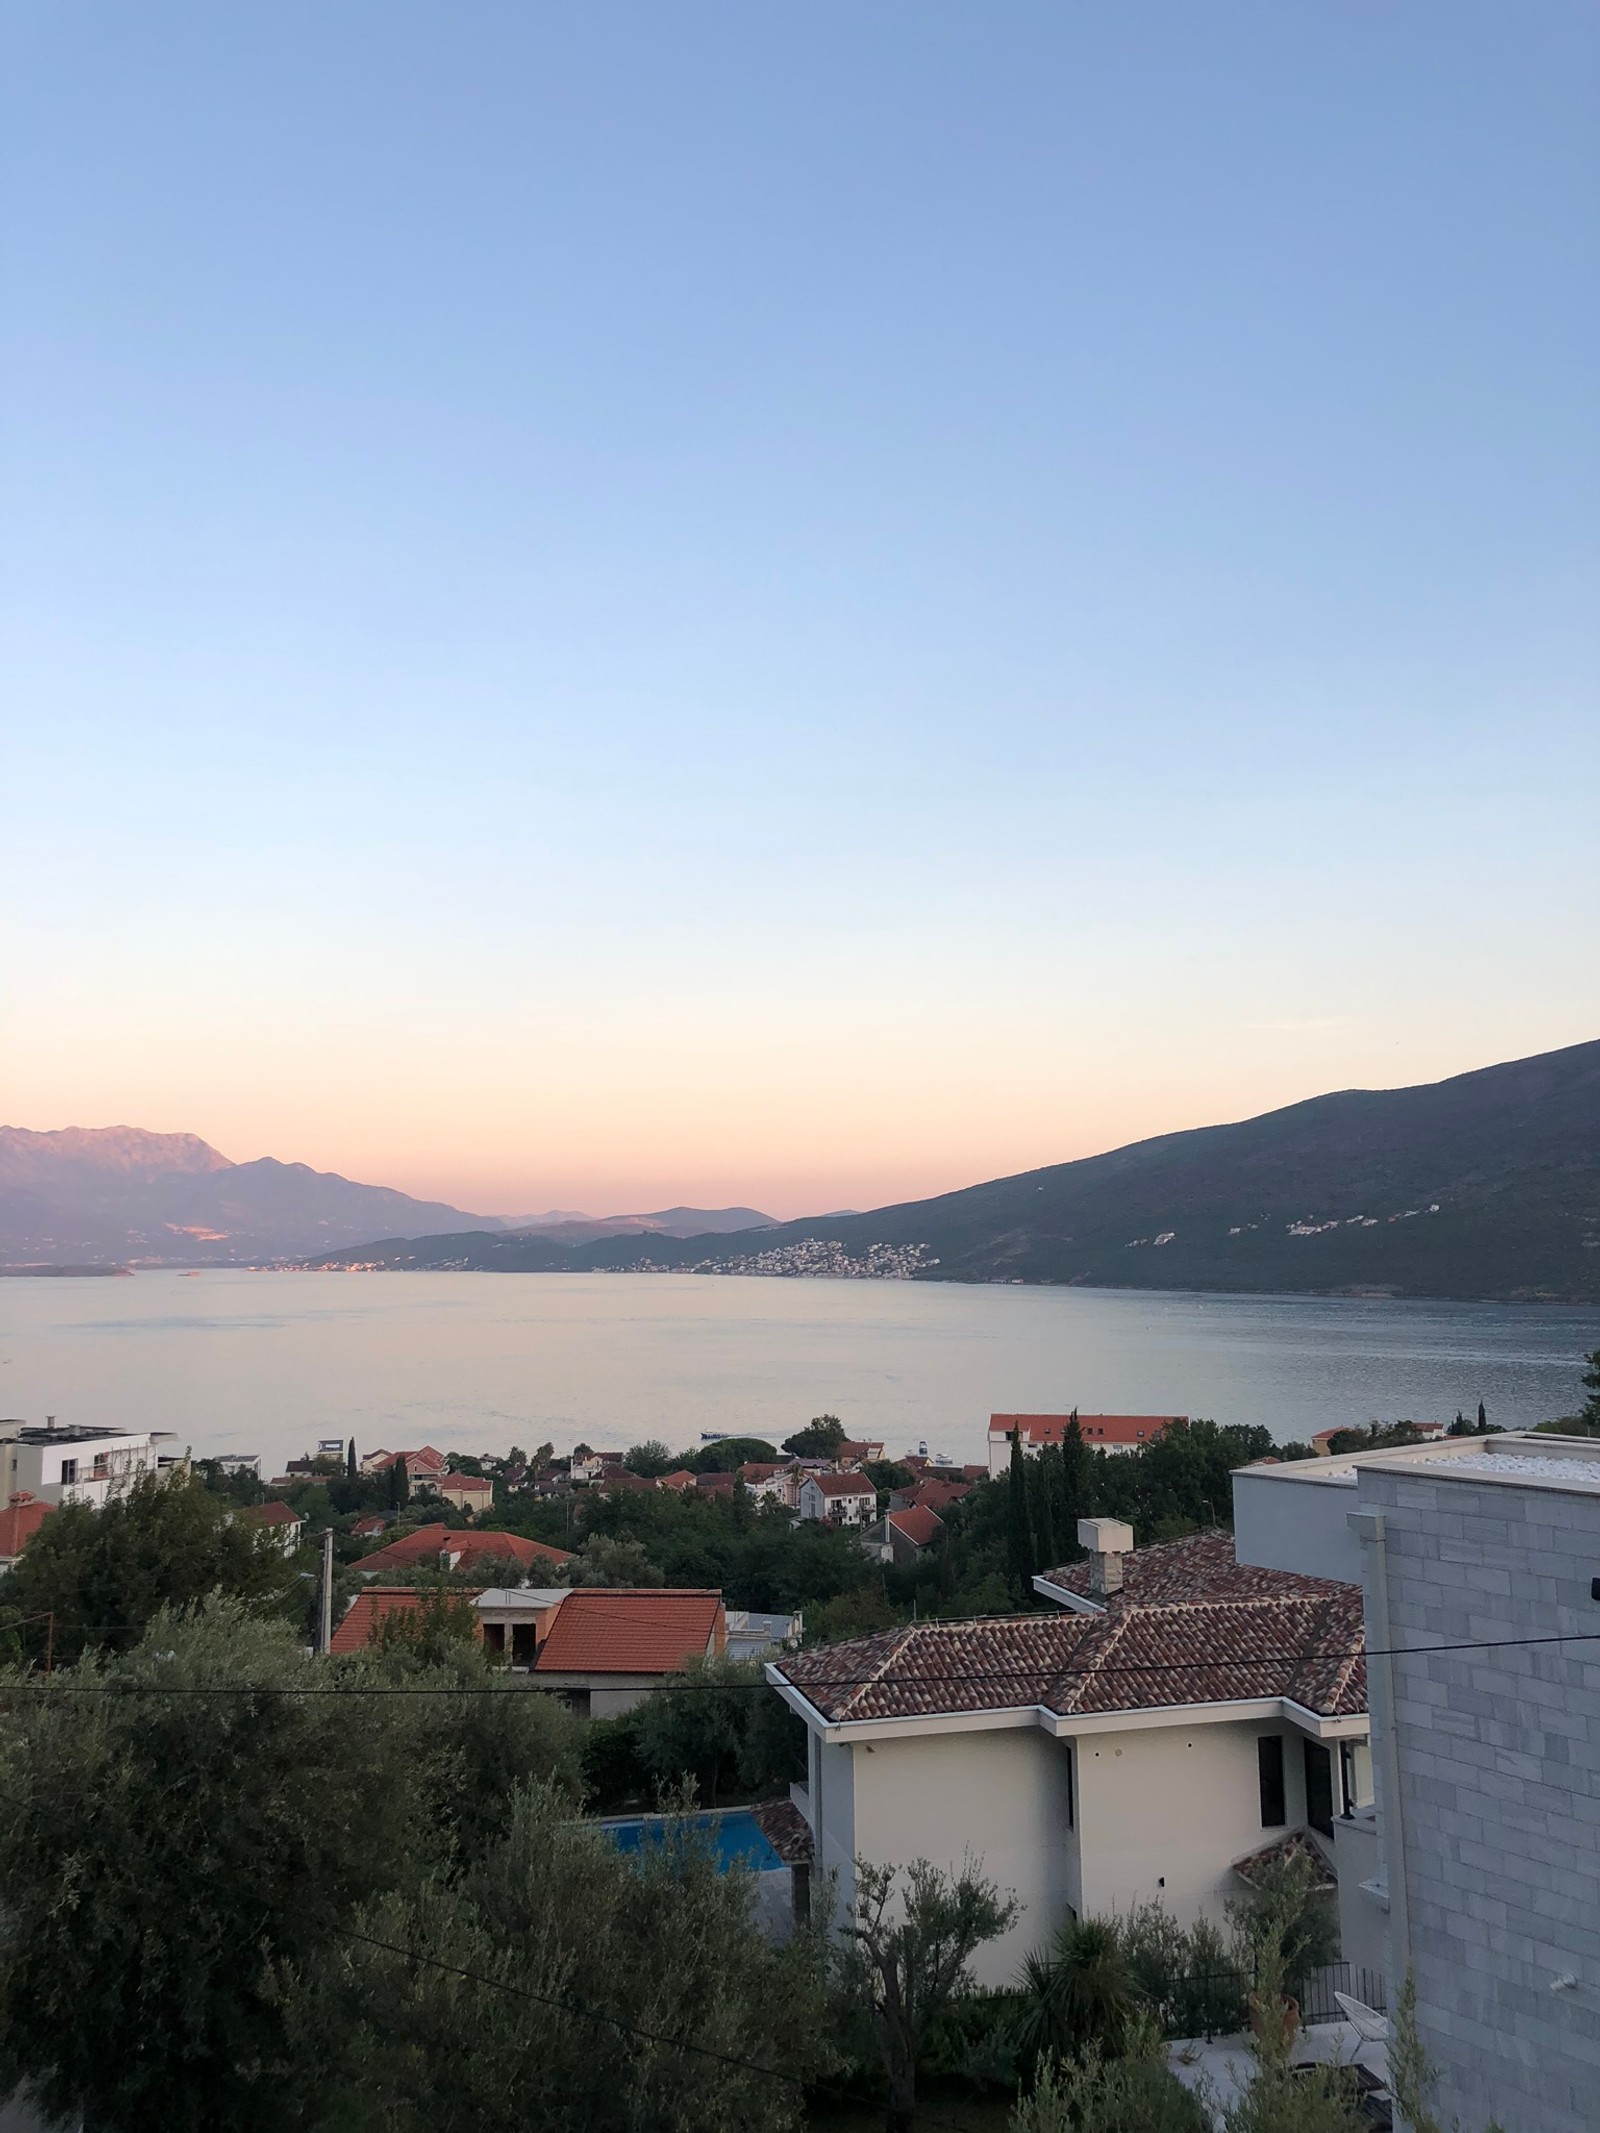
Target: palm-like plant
<point>1081,1993</point>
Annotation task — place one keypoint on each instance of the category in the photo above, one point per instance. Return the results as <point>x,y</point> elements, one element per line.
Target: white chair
<point>1370,2026</point>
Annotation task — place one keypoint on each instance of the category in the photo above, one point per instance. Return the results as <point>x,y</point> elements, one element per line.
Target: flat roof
<point>1520,1458</point>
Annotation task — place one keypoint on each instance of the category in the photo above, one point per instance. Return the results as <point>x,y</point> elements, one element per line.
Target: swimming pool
<point>735,1836</point>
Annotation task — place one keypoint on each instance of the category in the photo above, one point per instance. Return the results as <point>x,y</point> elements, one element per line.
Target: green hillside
<point>1486,1185</point>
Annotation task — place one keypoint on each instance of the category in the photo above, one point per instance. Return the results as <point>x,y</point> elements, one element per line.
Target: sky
<point>610,605</point>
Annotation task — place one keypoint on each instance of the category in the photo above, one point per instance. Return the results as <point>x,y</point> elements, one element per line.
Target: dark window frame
<point>1271,1781</point>
<point>1318,1765</point>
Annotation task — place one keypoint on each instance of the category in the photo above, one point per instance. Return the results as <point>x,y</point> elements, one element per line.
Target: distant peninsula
<point>1482,1187</point>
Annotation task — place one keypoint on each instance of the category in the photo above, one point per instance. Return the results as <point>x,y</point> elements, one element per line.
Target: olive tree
<point>564,1985</point>
<point>905,1958</point>
<point>186,1827</point>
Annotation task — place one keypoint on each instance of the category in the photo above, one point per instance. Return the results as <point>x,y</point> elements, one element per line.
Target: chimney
<point>1108,1540</point>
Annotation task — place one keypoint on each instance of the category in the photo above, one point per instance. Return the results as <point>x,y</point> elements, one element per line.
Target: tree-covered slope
<point>1486,1185</point>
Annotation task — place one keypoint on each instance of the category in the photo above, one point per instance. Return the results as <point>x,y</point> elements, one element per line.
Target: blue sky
<point>626,603</point>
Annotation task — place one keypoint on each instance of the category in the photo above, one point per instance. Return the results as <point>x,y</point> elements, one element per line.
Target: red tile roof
<point>428,1543</point>
<point>937,1494</point>
<point>363,1624</point>
<point>843,1484</point>
<point>1202,1567</point>
<point>616,1630</point>
<point>472,1484</point>
<point>270,1514</point>
<point>1293,1636</point>
<point>364,1528</point>
<point>1095,1429</point>
<point>425,1461</point>
<point>682,1479</point>
<point>920,1524</point>
<point>785,1829</point>
<point>1297,1845</point>
<point>20,1521</point>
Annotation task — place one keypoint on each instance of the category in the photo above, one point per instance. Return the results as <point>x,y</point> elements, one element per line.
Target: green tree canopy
<point>820,1439</point>
<point>179,1843</point>
<point>607,1560</point>
<point>103,1575</point>
<point>650,1460</point>
<point>584,1992</point>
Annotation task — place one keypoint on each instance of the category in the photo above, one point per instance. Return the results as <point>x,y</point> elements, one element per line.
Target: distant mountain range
<point>118,1193</point>
<point>562,1226</point>
<point>1486,1185</point>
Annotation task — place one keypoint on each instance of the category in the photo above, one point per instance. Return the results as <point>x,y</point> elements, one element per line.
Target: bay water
<point>243,1361</point>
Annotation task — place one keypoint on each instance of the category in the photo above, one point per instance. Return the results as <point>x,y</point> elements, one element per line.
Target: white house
<point>1480,1563</point>
<point>279,1519</point>
<point>770,1483</point>
<point>840,1499</point>
<point>1101,1433</point>
<point>57,1465</point>
<point>1173,1715</point>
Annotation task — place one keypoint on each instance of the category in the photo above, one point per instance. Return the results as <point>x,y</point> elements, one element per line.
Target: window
<point>1072,1790</point>
<point>69,1472</point>
<point>1319,1787</point>
<point>1269,1760</point>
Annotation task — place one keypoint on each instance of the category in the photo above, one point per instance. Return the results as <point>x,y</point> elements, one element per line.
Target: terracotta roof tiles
<point>1294,1637</point>
<point>428,1543</point>
<point>613,1630</point>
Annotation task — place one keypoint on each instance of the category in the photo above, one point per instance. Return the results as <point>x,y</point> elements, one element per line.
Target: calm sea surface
<point>236,1361</point>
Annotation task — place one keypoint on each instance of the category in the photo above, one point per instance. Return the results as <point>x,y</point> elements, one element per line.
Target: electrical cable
<point>54,1685</point>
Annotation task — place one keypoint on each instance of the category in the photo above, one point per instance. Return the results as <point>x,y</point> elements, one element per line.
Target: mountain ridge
<point>1482,1185</point>
<point>123,1193</point>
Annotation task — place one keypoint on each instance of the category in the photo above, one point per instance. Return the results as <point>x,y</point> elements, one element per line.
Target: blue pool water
<point>735,1837</point>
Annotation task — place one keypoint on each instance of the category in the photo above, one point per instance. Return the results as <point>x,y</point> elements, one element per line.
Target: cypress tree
<point>1483,1418</point>
<point>1044,1467</point>
<point>350,1468</point>
<point>1077,1483</point>
<point>1019,1526</point>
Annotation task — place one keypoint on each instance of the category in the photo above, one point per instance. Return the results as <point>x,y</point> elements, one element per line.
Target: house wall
<point>1163,1814</point>
<point>1492,1760</point>
<point>1282,1522</point>
<point>1362,1918</point>
<point>1000,1797</point>
<point>36,1468</point>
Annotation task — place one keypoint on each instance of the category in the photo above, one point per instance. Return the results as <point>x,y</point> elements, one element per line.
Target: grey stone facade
<point>1493,1760</point>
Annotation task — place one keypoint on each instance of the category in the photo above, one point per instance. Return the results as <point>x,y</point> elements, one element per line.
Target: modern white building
<point>59,1464</point>
<point>1480,1563</point>
<point>1175,1713</point>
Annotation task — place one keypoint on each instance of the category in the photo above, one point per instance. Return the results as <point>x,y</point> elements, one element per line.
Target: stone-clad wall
<point>1498,1761</point>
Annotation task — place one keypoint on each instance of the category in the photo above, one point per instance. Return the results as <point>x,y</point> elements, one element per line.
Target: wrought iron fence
<point>1216,2003</point>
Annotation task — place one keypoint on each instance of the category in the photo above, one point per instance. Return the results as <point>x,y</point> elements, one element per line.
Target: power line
<point>58,1686</point>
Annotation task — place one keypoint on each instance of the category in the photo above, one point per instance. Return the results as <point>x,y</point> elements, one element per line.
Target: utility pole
<point>325,1609</point>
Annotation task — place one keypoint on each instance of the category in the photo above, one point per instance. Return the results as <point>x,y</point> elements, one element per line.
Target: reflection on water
<point>269,1362</point>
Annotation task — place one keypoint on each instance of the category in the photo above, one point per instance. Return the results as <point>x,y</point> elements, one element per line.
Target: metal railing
<point>1216,2003</point>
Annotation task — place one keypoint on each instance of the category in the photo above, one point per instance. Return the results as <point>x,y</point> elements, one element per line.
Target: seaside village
<point>1133,1669</point>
